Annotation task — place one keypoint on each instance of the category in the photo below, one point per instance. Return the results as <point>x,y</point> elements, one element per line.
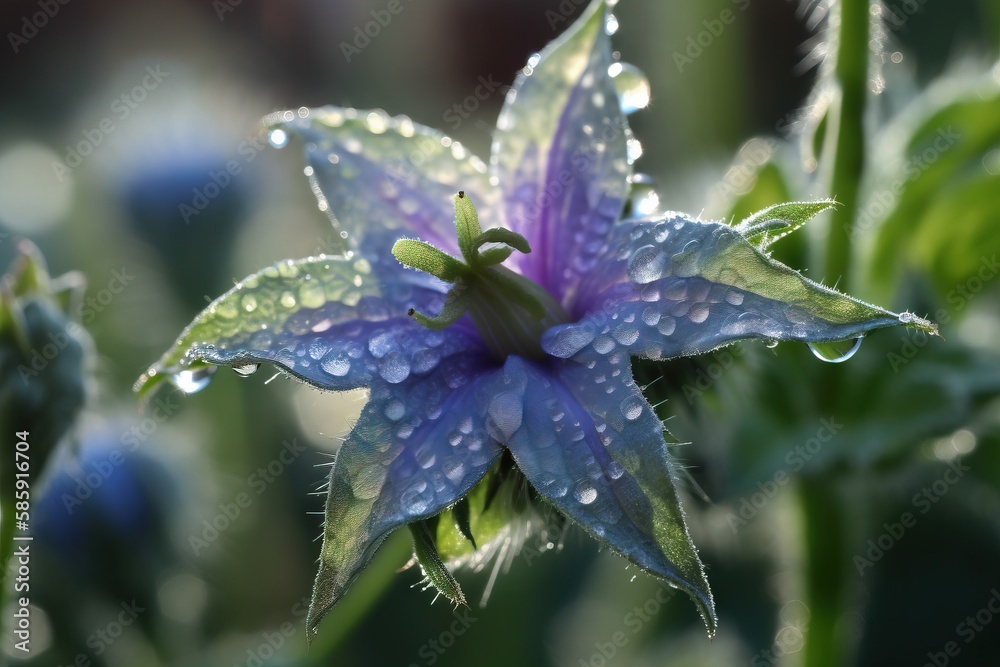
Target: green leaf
<point>933,203</point>
<point>438,575</point>
<point>767,226</point>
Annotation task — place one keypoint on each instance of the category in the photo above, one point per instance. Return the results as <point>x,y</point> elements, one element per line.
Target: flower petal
<point>338,323</point>
<point>678,287</point>
<point>589,442</point>
<point>373,172</point>
<point>560,155</point>
<point>417,448</point>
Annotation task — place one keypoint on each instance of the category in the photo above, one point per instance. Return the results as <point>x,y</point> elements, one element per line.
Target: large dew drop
<point>632,86</point>
<point>194,380</point>
<point>837,351</point>
<point>647,264</point>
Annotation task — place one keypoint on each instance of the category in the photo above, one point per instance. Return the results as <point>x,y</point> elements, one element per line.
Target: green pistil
<point>510,311</point>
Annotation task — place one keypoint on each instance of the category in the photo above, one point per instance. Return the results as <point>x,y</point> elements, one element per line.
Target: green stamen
<point>510,311</point>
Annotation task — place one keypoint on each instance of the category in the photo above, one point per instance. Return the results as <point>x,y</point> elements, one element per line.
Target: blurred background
<point>852,505</point>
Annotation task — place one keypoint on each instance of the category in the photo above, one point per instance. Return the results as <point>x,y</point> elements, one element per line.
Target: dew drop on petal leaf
<point>632,407</point>
<point>193,381</point>
<point>647,264</point>
<point>837,351</point>
<point>336,364</point>
<point>246,370</point>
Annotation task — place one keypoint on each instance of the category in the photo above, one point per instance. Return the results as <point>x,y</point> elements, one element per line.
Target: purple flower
<point>514,343</point>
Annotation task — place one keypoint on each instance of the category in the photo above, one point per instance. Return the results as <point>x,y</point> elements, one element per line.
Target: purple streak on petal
<point>392,175</point>
<point>418,447</point>
<point>560,156</point>
<point>592,446</point>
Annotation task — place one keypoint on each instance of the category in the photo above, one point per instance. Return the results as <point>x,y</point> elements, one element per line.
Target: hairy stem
<point>850,74</point>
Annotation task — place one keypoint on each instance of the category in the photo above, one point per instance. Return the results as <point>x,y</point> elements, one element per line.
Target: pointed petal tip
<point>915,322</point>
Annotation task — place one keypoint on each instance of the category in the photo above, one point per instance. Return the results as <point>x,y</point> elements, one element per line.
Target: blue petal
<point>372,172</point>
<point>589,443</point>
<point>418,447</point>
<point>678,287</point>
<point>336,322</point>
<point>560,155</point>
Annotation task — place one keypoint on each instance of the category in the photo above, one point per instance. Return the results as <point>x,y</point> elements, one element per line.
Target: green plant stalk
<point>824,529</point>
<point>850,74</point>
<point>823,513</point>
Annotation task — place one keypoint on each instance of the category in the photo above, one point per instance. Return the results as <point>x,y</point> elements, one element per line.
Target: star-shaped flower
<point>513,343</point>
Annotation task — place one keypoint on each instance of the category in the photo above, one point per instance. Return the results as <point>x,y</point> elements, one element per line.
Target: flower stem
<point>825,582</point>
<point>850,74</point>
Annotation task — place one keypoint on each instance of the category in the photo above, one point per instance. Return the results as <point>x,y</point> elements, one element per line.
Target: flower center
<point>510,311</point>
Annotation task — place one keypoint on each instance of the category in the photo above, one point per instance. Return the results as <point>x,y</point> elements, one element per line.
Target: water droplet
<point>837,351</point>
<point>417,499</point>
<point>394,367</point>
<point>395,409</point>
<point>632,407</point>
<point>378,121</point>
<point>626,334</point>
<point>647,264</point>
<point>611,25</point>
<point>337,364</point>
<point>585,494</point>
<point>246,370</point>
<point>249,303</point>
<point>193,380</point>
<point>277,138</point>
<point>633,149</point>
<point>569,341</point>
<point>632,86</point>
